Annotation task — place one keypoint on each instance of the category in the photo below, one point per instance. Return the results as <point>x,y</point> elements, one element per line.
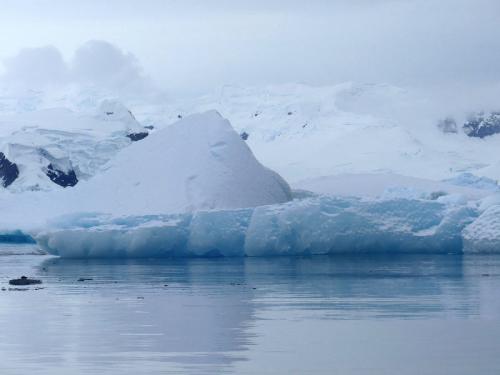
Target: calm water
<point>327,315</point>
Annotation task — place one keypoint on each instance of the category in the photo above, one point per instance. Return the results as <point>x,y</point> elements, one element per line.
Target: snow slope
<point>197,163</point>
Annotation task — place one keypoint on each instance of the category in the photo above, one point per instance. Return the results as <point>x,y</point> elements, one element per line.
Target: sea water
<point>383,314</point>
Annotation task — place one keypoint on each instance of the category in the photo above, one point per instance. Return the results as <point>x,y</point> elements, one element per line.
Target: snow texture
<point>483,235</point>
<point>198,163</point>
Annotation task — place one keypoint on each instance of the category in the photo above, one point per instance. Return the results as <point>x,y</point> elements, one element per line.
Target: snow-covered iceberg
<point>198,163</point>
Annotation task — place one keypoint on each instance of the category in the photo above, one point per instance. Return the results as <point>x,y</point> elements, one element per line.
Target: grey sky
<point>201,44</point>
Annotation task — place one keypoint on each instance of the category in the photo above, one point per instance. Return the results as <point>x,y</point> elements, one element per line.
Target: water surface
<point>385,314</point>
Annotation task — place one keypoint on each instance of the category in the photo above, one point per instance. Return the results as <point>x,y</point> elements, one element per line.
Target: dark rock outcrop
<point>244,136</point>
<point>8,171</point>
<point>61,178</point>
<point>483,125</point>
<point>24,281</point>
<point>134,137</point>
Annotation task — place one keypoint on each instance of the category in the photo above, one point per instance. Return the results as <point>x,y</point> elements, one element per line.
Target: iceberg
<point>318,225</point>
<point>198,163</point>
<point>483,235</point>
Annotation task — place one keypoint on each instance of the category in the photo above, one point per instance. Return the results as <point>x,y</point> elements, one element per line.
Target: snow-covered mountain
<point>305,132</point>
<point>52,148</point>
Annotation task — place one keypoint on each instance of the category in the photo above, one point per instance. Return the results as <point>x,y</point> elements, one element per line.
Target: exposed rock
<point>23,280</point>
<point>244,136</point>
<point>8,171</point>
<point>134,137</point>
<point>149,127</point>
<point>448,125</point>
<point>61,178</point>
<point>82,279</point>
<point>483,125</point>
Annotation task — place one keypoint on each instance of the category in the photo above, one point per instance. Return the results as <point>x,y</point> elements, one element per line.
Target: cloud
<point>36,67</point>
<point>101,63</point>
<point>96,63</point>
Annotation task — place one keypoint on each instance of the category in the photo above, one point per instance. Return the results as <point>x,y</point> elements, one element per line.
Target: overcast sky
<point>206,43</point>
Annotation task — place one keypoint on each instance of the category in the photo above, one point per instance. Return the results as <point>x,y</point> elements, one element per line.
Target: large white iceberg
<point>198,163</point>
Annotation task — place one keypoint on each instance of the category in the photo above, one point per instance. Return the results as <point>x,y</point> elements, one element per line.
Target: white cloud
<point>36,67</point>
<point>102,64</point>
<point>96,63</point>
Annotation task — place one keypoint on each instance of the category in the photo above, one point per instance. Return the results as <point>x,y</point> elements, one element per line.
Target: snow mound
<point>199,163</point>
<point>320,225</point>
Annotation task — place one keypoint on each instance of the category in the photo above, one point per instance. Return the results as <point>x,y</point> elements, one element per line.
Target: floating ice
<point>483,235</point>
<point>320,225</point>
<point>15,236</point>
<point>198,163</point>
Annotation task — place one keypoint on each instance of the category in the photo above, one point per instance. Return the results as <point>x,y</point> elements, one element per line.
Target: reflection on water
<point>248,315</point>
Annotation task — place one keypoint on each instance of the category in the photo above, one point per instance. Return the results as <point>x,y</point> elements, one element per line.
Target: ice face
<point>483,235</point>
<point>320,225</point>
